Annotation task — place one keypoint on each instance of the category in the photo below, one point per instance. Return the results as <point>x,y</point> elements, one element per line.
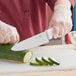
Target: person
<point>21,19</point>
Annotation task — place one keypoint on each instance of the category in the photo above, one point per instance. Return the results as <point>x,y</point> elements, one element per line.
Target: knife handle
<point>50,33</point>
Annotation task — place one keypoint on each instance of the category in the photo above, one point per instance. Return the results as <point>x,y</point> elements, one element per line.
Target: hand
<point>61,21</point>
<point>8,33</point>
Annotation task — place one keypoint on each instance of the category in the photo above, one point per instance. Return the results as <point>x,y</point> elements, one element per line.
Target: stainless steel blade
<point>34,41</point>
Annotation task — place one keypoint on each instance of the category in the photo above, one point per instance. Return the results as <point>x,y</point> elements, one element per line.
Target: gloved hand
<point>61,21</point>
<point>8,34</point>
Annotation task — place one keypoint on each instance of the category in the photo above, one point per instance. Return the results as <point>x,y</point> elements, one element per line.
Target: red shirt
<point>28,16</point>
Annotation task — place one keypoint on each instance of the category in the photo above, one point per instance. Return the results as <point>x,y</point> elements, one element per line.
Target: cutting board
<point>64,54</point>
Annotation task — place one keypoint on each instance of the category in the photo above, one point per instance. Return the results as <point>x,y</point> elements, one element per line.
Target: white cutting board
<point>66,56</point>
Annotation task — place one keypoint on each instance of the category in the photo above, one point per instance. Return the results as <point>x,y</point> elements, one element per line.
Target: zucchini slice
<point>53,60</point>
<point>40,61</point>
<point>46,61</point>
<point>34,63</point>
<point>8,54</point>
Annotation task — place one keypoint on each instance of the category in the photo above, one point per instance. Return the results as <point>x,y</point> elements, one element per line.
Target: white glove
<point>8,34</point>
<point>61,21</point>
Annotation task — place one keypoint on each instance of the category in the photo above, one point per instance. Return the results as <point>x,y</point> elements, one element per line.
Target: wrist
<point>63,6</point>
<point>65,3</point>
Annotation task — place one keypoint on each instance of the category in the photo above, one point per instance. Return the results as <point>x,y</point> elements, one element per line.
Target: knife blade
<point>37,40</point>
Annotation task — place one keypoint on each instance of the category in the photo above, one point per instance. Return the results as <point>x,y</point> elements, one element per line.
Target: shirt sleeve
<point>51,3</point>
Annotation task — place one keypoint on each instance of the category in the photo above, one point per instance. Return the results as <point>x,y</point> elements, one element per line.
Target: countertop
<point>47,73</point>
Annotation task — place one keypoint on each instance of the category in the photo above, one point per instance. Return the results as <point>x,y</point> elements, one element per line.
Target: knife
<point>34,41</point>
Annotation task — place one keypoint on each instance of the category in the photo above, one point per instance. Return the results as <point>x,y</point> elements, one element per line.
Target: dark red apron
<point>28,16</point>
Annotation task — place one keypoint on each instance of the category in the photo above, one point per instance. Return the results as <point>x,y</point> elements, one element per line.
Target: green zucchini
<point>34,63</point>
<point>54,61</point>
<point>8,54</point>
<point>46,61</point>
<point>40,61</point>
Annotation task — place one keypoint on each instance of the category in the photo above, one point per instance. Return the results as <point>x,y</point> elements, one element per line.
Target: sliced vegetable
<point>7,53</point>
<point>53,60</point>
<point>40,61</point>
<point>34,63</point>
<point>46,61</point>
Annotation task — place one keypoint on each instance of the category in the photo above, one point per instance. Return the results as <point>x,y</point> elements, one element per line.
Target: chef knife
<point>37,40</point>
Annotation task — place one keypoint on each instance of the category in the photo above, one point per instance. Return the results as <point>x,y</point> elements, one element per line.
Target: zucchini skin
<point>41,62</point>
<point>54,62</point>
<point>8,54</point>
<point>35,64</point>
<point>46,61</point>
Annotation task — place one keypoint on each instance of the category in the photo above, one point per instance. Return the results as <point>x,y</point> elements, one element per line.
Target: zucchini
<point>46,61</point>
<point>40,61</point>
<point>34,63</point>
<point>53,60</point>
<point>8,54</point>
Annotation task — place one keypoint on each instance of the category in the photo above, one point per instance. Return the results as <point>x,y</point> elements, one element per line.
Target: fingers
<point>1,38</point>
<point>14,36</point>
<point>53,24</point>
<point>61,31</point>
<point>8,35</point>
<point>60,28</point>
<point>58,31</point>
<point>67,28</point>
<point>55,31</point>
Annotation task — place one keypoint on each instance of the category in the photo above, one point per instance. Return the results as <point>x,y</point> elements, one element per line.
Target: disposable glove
<point>8,33</point>
<point>61,21</point>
